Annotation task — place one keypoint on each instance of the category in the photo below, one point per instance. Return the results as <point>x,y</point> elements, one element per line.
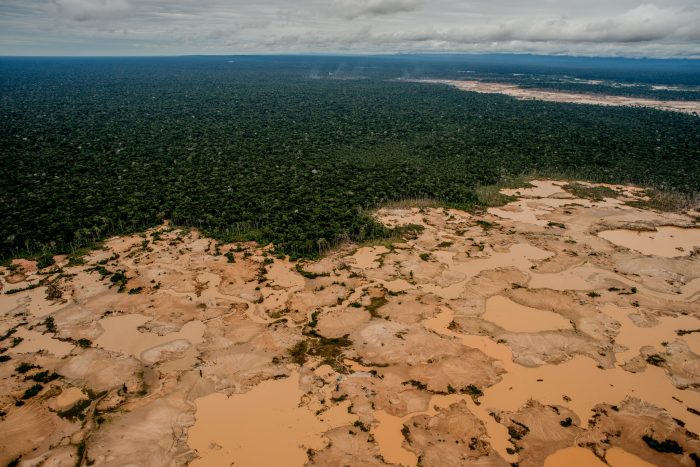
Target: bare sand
<point>525,335</point>
<point>68,398</point>
<point>689,107</point>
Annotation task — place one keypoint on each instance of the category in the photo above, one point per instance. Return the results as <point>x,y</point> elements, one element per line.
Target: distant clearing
<point>689,107</point>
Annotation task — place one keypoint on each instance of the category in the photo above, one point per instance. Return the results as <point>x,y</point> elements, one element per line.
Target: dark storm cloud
<point>592,27</point>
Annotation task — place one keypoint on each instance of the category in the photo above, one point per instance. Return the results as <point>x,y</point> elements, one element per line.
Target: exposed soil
<point>690,107</point>
<point>525,335</point>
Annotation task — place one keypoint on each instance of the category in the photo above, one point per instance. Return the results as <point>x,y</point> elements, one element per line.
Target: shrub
<point>32,391</point>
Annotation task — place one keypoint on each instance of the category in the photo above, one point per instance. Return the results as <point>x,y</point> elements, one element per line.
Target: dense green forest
<point>292,150</point>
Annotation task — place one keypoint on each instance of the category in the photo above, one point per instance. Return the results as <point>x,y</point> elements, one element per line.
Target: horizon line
<point>364,54</point>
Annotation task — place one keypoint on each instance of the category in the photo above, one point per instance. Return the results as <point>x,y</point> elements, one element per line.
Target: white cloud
<point>622,27</point>
<point>85,10</point>
<point>642,24</point>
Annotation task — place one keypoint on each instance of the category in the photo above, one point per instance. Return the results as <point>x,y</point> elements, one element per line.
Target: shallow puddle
<point>618,457</point>
<point>263,427</point>
<point>390,438</point>
<point>543,199</point>
<point>529,211</point>
<point>581,457</point>
<point>35,341</point>
<point>521,211</point>
<point>634,337</point>
<point>276,422</point>
<point>519,256</point>
<point>573,457</point>
<point>590,277</point>
<point>33,300</point>
<point>575,278</point>
<point>515,317</point>
<point>577,384</point>
<point>666,241</point>
<point>586,385</point>
<point>121,334</point>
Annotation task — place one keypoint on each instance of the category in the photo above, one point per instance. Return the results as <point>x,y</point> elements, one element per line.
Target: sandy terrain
<point>690,107</point>
<point>553,331</point>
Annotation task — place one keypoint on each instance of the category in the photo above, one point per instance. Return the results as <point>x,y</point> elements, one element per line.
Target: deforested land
<point>342,261</point>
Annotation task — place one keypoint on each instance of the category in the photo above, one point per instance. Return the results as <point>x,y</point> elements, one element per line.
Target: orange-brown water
<point>573,457</point>
<point>390,439</point>
<point>666,241</point>
<point>519,318</point>
<point>121,334</point>
<point>519,256</point>
<point>35,341</point>
<point>233,333</point>
<point>634,337</point>
<point>266,426</point>
<point>581,457</point>
<point>577,384</point>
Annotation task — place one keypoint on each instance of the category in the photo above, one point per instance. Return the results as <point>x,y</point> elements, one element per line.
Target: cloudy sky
<point>661,28</point>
